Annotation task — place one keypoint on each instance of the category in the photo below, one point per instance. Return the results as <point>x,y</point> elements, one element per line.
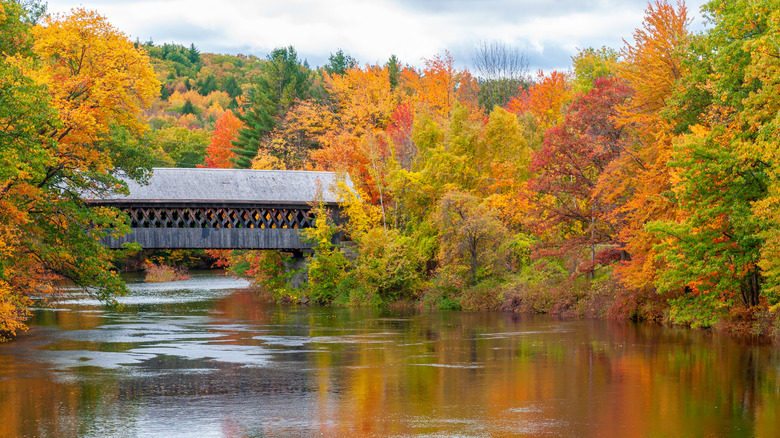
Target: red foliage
<point>575,153</point>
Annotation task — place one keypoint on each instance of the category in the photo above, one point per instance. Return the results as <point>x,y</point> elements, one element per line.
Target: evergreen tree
<point>259,122</point>
<point>188,108</point>
<point>232,88</point>
<point>339,63</point>
<point>394,70</point>
<point>193,54</point>
<point>283,80</point>
<point>208,85</point>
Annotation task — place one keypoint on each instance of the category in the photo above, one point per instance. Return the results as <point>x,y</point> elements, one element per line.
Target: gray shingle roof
<point>175,185</point>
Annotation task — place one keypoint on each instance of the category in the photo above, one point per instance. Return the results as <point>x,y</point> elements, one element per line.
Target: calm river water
<point>206,358</point>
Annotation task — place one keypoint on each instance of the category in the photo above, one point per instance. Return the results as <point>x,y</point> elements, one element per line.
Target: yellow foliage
<point>96,78</point>
<point>361,215</point>
<point>265,161</point>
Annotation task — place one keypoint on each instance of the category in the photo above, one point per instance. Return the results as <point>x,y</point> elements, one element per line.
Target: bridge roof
<point>176,185</point>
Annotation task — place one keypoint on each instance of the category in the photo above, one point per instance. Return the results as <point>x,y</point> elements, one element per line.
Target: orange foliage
<point>98,83</point>
<point>440,85</point>
<point>652,66</point>
<point>91,91</point>
<point>218,152</point>
<point>545,99</point>
<point>364,105</point>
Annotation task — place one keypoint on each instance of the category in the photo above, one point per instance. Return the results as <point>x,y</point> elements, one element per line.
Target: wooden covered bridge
<point>223,208</point>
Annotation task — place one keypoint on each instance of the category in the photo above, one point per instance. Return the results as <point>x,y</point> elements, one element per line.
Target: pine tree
<point>259,122</point>
<point>339,63</point>
<point>283,80</point>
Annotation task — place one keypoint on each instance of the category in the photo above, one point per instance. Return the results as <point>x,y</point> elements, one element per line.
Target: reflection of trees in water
<point>344,372</point>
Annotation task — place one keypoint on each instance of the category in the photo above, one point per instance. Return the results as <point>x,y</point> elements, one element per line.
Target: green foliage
<point>49,162</point>
<point>179,146</point>
<point>471,237</point>
<point>339,63</point>
<point>394,70</point>
<point>388,267</point>
<point>188,108</point>
<point>283,79</point>
<point>259,122</point>
<point>715,248</point>
<point>208,85</point>
<point>496,93</point>
<point>328,265</point>
<point>16,18</point>
<point>591,64</point>
<point>697,310</point>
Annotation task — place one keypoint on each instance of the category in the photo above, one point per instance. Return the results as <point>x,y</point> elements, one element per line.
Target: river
<point>207,358</point>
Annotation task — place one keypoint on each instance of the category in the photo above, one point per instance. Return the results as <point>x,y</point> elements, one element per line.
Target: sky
<point>549,32</point>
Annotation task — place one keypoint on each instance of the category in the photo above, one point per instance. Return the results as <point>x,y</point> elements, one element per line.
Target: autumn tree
<point>572,215</point>
<point>590,64</point>
<point>436,86</point>
<point>80,136</point>
<point>544,99</point>
<point>471,235</point>
<point>360,106</point>
<point>219,152</point>
<point>652,66</point>
<point>503,157</point>
<point>723,248</point>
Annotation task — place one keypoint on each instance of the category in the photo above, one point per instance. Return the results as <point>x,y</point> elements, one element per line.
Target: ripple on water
<point>171,292</point>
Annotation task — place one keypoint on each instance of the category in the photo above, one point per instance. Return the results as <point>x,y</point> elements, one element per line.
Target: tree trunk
<point>750,289</point>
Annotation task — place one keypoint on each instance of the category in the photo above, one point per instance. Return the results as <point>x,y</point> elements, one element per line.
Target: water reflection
<point>208,358</point>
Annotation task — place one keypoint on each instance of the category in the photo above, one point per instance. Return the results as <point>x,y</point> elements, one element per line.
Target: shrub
<point>388,266</point>
<point>162,273</point>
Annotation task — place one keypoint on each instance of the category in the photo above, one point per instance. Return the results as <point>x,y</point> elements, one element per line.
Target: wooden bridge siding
<point>212,238</point>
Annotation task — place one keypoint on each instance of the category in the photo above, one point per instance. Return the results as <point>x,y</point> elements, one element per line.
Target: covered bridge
<point>224,208</point>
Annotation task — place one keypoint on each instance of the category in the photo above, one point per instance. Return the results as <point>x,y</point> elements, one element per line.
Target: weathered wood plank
<point>212,238</point>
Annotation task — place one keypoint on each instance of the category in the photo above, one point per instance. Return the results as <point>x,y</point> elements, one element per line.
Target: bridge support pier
<point>298,264</point>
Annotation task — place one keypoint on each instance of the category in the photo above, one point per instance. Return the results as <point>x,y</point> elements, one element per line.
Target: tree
<point>219,152</point>
<point>503,157</point>
<point>85,133</point>
<point>180,146</point>
<point>471,235</point>
<point>436,86</point>
<point>258,124</point>
<point>193,54</point>
<point>590,64</point>
<point>714,250</point>
<point>394,71</point>
<point>339,63</point>
<point>572,213</point>
<point>653,66</point>
<point>502,71</point>
<point>283,80</point>
<point>723,248</point>
<point>188,108</point>
<point>544,100</point>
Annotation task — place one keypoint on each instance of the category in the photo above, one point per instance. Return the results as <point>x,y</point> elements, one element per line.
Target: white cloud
<point>372,31</point>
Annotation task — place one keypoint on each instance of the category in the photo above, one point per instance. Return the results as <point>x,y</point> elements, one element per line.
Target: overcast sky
<point>549,31</point>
